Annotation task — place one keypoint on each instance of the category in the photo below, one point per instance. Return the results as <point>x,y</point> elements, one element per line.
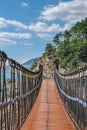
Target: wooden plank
<point>48,112</point>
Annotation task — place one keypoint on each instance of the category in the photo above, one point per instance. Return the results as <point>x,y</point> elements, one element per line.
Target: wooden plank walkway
<point>48,113</point>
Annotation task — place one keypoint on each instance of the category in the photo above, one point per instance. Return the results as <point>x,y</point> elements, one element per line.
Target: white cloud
<point>6,41</point>
<point>74,11</point>
<point>67,12</point>
<point>2,25</point>
<point>38,27</point>
<point>9,38</point>
<point>28,44</point>
<point>42,27</point>
<point>17,24</point>
<point>24,4</point>
<point>53,28</point>
<point>58,28</point>
<point>44,35</point>
<point>5,22</point>
<point>15,35</point>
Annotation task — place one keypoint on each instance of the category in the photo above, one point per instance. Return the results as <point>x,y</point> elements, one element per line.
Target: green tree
<point>83,54</point>
<point>57,39</point>
<point>72,49</point>
<point>49,50</point>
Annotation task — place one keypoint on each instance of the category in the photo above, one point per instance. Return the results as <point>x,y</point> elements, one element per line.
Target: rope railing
<point>73,91</point>
<point>18,91</point>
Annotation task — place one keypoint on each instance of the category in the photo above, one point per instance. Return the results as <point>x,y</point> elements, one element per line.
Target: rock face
<point>48,68</point>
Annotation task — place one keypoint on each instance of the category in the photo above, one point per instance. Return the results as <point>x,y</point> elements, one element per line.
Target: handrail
<point>3,105</point>
<point>17,93</point>
<point>73,91</point>
<point>74,72</point>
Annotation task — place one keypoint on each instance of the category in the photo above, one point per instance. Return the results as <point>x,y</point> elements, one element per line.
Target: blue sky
<point>26,26</point>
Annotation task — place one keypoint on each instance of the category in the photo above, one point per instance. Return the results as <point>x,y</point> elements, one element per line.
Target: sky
<point>26,26</point>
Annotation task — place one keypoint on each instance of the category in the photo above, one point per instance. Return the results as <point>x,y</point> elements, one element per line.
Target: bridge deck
<point>48,113</point>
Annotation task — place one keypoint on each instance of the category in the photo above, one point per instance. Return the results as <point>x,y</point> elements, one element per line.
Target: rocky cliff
<point>48,67</point>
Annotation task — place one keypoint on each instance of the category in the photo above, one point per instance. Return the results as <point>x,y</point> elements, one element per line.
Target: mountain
<point>30,62</point>
<point>27,65</point>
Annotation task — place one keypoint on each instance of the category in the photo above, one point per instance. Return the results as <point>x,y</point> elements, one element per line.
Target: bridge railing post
<point>18,92</point>
<point>72,88</point>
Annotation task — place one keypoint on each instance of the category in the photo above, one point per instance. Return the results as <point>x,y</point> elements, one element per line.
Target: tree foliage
<point>49,50</point>
<point>72,49</point>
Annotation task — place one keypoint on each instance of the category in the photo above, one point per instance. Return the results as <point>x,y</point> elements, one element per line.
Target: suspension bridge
<point>30,102</point>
